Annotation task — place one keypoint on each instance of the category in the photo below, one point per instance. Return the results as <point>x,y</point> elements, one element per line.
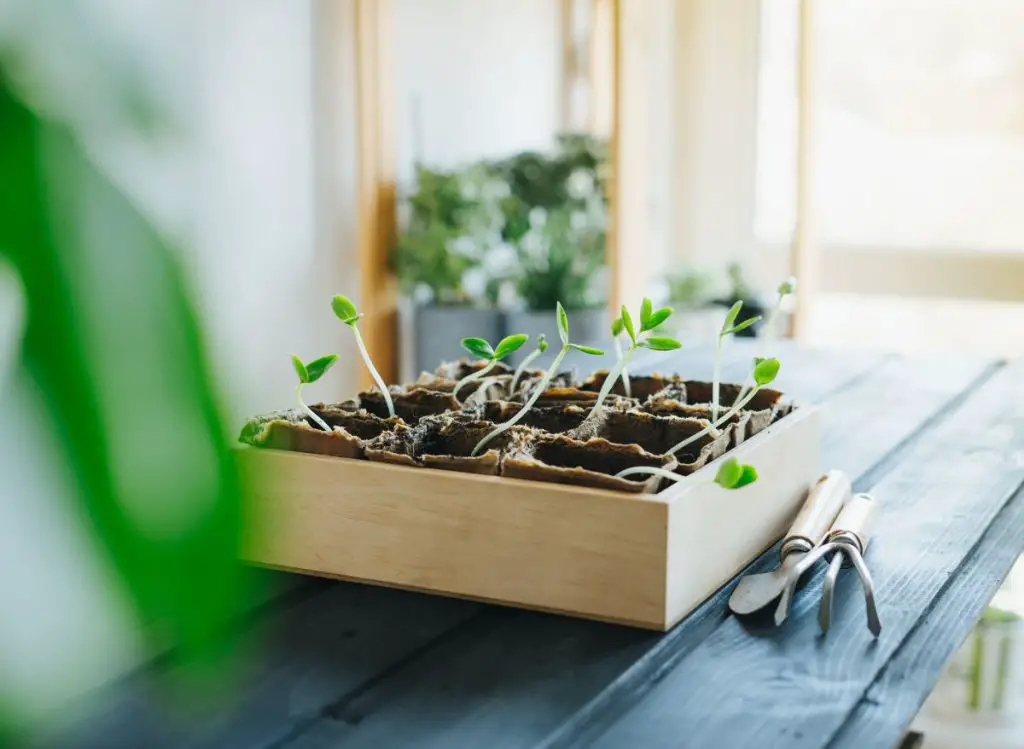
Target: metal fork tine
<point>782,611</point>
<point>874,623</point>
<point>828,591</point>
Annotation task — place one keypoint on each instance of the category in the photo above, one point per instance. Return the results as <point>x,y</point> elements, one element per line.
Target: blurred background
<point>457,166</point>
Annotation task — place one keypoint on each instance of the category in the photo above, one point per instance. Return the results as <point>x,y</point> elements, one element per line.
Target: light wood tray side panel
<point>590,553</point>
<point>714,533</point>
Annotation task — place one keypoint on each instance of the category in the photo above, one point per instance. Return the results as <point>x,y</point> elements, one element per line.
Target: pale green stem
<point>625,372</point>
<point>609,381</point>
<point>650,470</point>
<point>481,392</point>
<point>715,377</point>
<point>737,407</point>
<point>769,335</point>
<point>373,370</point>
<point>309,411</point>
<point>522,368</point>
<point>473,376</point>
<point>541,387</point>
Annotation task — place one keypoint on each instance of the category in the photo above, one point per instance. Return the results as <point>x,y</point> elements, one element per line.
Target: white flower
<point>580,184</point>
<point>578,220</point>
<point>464,246</point>
<point>474,282</point>
<point>500,260</point>
<point>533,245</point>
<point>538,217</point>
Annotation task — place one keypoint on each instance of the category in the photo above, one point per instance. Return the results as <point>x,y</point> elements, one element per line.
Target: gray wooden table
<point>940,442</point>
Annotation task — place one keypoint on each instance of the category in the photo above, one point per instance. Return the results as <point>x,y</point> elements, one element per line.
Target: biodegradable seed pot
<point>532,487</point>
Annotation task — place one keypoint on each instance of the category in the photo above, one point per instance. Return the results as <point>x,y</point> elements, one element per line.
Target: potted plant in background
<point>741,291</point>
<point>438,257</point>
<point>555,217</point>
<point>691,292</point>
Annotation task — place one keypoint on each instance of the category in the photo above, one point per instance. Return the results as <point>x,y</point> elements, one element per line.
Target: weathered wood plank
<point>895,697</point>
<point>520,682</point>
<point>748,684</point>
<point>301,661</point>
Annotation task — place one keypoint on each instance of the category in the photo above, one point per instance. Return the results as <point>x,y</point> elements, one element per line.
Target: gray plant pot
<point>436,332</point>
<point>586,326</point>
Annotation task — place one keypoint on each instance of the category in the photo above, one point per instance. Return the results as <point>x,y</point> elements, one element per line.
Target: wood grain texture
<point>853,443</point>
<point>596,554</point>
<point>896,695</point>
<point>298,663</point>
<point>508,696</point>
<point>748,684</point>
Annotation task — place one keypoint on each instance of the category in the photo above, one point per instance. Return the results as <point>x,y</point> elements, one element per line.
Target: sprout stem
<point>737,407</point>
<point>625,372</point>
<point>522,368</point>
<point>309,411</point>
<point>473,376</point>
<point>609,381</point>
<point>481,392</point>
<point>541,387</point>
<point>373,370</point>
<point>652,470</point>
<point>715,378</point>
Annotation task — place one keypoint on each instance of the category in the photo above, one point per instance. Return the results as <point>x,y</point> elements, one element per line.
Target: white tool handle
<point>857,518</point>
<point>826,498</point>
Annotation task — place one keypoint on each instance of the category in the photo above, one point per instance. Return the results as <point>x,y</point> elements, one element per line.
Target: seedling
<point>649,320</point>
<point>542,346</point>
<point>310,373</point>
<point>562,321</point>
<point>786,288</point>
<point>616,332</point>
<point>346,311</point>
<point>482,350</point>
<point>765,371</point>
<point>732,474</point>
<point>729,327</point>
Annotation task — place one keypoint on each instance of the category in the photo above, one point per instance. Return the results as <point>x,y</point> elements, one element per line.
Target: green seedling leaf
<point>658,317</point>
<point>743,325</point>
<point>300,369</point>
<point>788,286</point>
<point>344,309</point>
<point>542,343</point>
<point>730,317</point>
<point>563,323</point>
<point>318,367</point>
<point>749,476</point>
<point>662,343</point>
<point>646,308</point>
<point>766,370</point>
<point>627,323</point>
<point>587,349</point>
<point>508,344</point>
<point>617,326</point>
<point>730,474</point>
<point>478,347</point>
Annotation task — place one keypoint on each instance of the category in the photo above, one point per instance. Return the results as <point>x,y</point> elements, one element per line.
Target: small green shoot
<point>764,373</point>
<point>785,289</point>
<point>308,374</point>
<point>649,320</point>
<point>542,346</point>
<point>562,320</point>
<point>729,327</point>
<point>482,350</point>
<point>346,311</point>
<point>616,332</point>
<point>734,475</point>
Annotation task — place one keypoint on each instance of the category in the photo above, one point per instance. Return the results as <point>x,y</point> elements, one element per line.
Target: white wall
<point>482,77</point>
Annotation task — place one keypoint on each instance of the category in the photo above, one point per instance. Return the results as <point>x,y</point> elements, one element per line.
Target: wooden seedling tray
<point>637,559</point>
